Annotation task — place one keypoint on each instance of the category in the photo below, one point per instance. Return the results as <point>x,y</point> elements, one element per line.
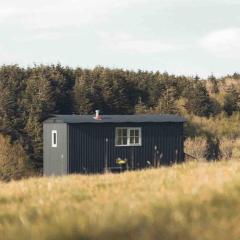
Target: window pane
<point>131,133</point>
<point>124,140</point>
<point>119,141</point>
<point>137,140</point>
<point>132,140</point>
<point>119,132</point>
<point>136,132</point>
<point>54,138</point>
<point>124,132</point>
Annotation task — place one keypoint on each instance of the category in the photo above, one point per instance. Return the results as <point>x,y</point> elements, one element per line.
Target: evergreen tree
<point>83,92</point>
<point>212,151</point>
<point>198,101</point>
<point>107,90</point>
<point>62,82</point>
<point>115,92</point>
<point>167,102</point>
<point>231,101</point>
<point>216,107</point>
<point>39,103</point>
<point>196,78</point>
<point>12,85</point>
<point>214,84</point>
<point>236,76</point>
<point>140,107</point>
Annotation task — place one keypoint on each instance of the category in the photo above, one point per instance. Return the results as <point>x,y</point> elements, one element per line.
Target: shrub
<point>228,148</point>
<point>195,147</point>
<point>212,150</point>
<point>13,160</point>
<point>232,101</point>
<point>220,125</point>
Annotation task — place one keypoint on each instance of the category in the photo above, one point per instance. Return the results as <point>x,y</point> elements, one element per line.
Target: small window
<point>54,138</point>
<point>128,137</point>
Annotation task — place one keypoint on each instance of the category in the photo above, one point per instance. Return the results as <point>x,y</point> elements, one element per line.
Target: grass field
<point>189,201</point>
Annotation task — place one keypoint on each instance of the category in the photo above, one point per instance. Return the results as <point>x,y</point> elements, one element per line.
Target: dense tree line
<point>30,95</point>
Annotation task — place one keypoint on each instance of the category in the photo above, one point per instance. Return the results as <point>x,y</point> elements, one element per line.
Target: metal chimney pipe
<point>97,114</point>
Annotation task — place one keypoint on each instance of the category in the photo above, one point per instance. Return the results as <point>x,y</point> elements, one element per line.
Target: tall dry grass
<point>190,201</point>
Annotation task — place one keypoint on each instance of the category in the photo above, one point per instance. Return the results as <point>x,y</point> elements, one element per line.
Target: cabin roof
<point>116,118</point>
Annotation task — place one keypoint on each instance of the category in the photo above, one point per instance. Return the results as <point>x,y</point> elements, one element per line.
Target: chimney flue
<point>97,116</point>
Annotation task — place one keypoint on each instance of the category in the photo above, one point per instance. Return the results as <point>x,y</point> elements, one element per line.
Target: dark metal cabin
<point>88,144</point>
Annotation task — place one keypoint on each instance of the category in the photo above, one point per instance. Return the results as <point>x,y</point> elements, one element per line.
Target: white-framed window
<point>54,138</point>
<point>128,136</point>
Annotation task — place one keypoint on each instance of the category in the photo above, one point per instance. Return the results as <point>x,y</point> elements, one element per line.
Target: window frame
<point>128,137</point>
<point>54,144</point>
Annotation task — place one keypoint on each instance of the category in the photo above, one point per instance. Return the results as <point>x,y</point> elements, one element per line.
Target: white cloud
<point>59,13</point>
<point>55,13</point>
<point>47,35</point>
<point>223,43</point>
<point>126,43</point>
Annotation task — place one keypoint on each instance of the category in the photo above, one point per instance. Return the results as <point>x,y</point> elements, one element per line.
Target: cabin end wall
<point>55,156</point>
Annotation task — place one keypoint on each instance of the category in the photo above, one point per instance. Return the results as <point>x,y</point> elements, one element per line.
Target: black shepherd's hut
<point>95,144</point>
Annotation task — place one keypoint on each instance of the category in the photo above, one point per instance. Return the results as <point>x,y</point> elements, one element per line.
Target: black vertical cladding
<point>88,148</point>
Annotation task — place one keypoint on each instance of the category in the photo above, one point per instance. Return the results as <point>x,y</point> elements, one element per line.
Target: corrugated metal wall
<point>88,150</point>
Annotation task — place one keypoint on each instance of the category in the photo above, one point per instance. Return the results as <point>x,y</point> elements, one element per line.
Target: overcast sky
<point>179,36</point>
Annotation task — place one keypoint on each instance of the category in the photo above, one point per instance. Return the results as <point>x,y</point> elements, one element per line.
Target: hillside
<point>189,201</point>
<point>29,95</point>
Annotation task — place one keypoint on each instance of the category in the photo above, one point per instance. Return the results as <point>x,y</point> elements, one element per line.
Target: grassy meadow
<point>195,200</point>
